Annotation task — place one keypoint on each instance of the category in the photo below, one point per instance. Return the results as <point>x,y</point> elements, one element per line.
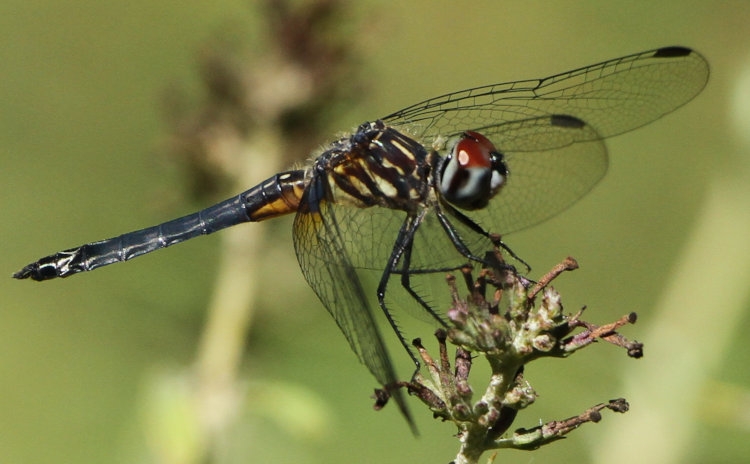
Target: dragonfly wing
<point>613,97</point>
<point>323,256</point>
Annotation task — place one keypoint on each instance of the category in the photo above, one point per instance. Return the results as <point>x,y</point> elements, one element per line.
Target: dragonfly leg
<point>468,222</point>
<point>403,243</point>
<point>453,235</point>
<point>406,283</point>
<point>513,255</point>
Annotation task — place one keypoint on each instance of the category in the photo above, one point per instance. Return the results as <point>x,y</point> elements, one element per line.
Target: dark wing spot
<point>672,52</point>
<point>564,120</point>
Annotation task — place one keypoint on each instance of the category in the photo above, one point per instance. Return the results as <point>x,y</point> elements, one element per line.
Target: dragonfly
<point>425,189</point>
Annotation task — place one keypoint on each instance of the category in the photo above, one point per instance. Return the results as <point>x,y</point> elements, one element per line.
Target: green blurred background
<point>87,364</point>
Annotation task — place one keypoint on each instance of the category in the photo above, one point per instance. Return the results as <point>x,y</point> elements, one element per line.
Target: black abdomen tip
<point>37,271</point>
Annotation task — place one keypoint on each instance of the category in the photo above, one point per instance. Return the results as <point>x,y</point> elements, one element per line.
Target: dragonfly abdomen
<point>276,196</point>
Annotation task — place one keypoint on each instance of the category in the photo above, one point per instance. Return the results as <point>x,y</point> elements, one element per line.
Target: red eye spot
<point>473,150</point>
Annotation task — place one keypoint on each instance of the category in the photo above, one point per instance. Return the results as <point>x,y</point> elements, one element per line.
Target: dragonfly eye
<point>473,172</point>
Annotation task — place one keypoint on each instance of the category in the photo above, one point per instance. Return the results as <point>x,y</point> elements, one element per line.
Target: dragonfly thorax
<point>472,173</point>
<point>377,166</point>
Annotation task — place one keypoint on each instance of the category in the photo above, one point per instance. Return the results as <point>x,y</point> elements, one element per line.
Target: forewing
<point>613,97</point>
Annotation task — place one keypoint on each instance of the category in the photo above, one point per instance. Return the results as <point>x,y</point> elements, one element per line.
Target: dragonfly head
<point>472,173</point>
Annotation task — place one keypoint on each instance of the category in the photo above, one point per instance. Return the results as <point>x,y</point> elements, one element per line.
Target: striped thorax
<point>377,166</point>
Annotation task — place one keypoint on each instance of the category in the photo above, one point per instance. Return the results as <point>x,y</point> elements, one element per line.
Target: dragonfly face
<point>473,172</point>
<point>393,198</point>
